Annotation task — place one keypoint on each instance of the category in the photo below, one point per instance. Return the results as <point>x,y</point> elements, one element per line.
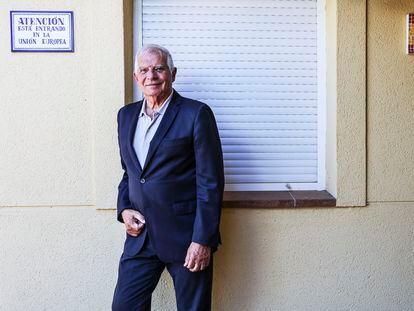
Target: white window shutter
<point>255,64</point>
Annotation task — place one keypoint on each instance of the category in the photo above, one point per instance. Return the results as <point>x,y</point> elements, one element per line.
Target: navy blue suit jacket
<point>180,188</point>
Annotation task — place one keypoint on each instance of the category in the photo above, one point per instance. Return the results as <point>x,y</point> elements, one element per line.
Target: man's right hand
<point>134,221</point>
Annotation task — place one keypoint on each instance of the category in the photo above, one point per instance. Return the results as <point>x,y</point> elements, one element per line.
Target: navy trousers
<point>139,275</point>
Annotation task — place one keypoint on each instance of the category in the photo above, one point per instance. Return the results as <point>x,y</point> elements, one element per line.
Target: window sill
<point>277,199</point>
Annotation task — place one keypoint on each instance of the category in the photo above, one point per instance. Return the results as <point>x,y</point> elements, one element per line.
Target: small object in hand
<point>138,222</point>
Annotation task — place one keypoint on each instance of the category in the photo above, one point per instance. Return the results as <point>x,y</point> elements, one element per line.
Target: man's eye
<point>159,69</point>
<point>143,71</point>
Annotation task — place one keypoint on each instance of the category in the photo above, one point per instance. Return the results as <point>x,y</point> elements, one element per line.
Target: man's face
<point>154,77</point>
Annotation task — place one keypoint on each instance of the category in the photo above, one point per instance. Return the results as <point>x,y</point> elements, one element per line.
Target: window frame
<point>321,105</point>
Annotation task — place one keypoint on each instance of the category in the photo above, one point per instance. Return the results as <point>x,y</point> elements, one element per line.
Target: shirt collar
<point>160,111</point>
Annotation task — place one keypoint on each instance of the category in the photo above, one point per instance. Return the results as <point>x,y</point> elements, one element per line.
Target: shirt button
<point>142,181</point>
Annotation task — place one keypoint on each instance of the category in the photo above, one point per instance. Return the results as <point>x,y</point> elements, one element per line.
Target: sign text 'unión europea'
<point>41,31</point>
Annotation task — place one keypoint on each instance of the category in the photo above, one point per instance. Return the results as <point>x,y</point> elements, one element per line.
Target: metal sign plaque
<point>42,31</point>
<point>410,33</point>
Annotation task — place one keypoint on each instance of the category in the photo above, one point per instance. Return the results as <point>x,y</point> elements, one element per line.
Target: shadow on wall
<point>240,276</point>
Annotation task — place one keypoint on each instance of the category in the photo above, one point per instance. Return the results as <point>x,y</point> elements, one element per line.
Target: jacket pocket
<point>184,208</point>
<point>179,142</point>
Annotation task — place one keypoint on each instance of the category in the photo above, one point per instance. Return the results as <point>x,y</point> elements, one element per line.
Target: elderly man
<point>170,194</point>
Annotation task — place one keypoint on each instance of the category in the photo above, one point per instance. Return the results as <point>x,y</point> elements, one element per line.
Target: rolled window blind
<point>255,64</point>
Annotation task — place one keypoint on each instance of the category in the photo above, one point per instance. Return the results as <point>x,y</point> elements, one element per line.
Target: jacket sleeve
<point>123,192</point>
<point>209,178</point>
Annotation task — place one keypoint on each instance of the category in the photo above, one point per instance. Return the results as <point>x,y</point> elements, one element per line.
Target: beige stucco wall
<point>350,100</point>
<point>313,259</point>
<point>59,158</point>
<point>390,103</point>
<point>45,116</point>
<point>58,110</point>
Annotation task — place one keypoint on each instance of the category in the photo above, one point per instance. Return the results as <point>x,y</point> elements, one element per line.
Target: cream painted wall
<point>312,259</point>
<point>351,103</point>
<point>107,55</point>
<point>58,111</point>
<point>45,116</point>
<point>390,103</point>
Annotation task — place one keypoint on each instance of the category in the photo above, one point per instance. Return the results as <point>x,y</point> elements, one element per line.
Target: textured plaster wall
<point>390,103</point>
<point>314,259</point>
<point>351,102</point>
<point>107,56</point>
<point>58,111</point>
<point>45,116</point>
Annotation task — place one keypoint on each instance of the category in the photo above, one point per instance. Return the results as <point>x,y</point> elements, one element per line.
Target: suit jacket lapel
<point>131,134</point>
<point>165,124</point>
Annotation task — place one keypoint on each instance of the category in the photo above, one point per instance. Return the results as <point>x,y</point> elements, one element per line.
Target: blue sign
<point>42,31</point>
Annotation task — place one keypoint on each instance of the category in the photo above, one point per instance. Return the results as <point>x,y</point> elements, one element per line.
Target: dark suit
<point>180,188</point>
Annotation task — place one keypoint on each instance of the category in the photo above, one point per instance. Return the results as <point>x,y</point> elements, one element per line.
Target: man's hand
<point>198,257</point>
<point>134,221</point>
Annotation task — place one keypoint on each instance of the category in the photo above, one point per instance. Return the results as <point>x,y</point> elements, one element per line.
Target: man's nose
<point>151,74</point>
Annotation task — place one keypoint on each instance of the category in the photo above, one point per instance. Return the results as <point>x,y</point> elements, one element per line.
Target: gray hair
<point>151,48</point>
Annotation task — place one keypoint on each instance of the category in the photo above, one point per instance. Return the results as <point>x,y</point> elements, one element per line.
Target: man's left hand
<point>198,257</point>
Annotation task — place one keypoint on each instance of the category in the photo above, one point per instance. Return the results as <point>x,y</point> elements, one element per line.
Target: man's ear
<point>135,77</point>
<point>173,73</point>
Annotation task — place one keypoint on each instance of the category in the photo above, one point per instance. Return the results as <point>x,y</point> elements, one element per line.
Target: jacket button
<point>142,181</point>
